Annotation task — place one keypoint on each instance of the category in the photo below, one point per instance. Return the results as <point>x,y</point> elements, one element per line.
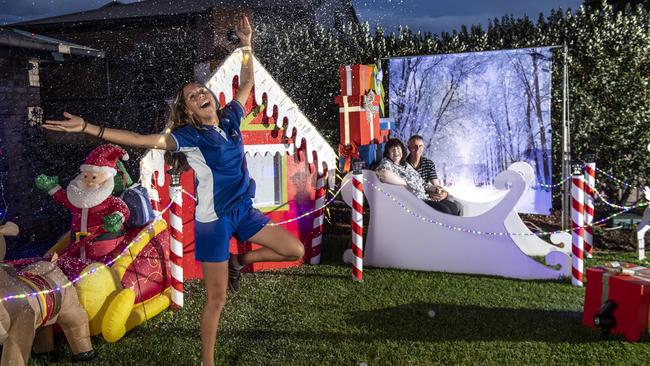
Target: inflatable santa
<point>95,212</point>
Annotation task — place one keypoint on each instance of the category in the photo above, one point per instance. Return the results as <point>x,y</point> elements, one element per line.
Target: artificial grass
<point>316,315</point>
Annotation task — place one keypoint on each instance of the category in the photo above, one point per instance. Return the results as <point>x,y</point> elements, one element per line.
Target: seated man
<point>427,170</point>
<point>392,169</point>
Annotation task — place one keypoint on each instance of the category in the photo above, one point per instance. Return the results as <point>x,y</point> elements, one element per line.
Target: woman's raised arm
<point>244,32</point>
<point>74,123</point>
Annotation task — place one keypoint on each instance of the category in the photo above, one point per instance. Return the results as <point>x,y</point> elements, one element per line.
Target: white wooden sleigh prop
<point>399,239</point>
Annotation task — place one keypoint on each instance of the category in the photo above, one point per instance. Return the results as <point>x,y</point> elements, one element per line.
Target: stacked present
<point>617,299</point>
<point>360,103</point>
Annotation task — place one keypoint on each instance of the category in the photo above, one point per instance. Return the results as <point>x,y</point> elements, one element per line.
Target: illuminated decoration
<point>476,232</point>
<point>274,127</point>
<point>373,184</point>
<point>577,225</point>
<point>266,88</point>
<point>551,186</point>
<point>34,316</point>
<point>111,309</point>
<point>304,214</point>
<point>144,234</point>
<point>479,244</point>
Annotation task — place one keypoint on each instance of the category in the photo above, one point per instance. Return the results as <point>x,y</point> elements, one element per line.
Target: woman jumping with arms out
<point>211,140</point>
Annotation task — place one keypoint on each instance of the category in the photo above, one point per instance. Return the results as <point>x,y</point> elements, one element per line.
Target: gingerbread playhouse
<point>286,155</point>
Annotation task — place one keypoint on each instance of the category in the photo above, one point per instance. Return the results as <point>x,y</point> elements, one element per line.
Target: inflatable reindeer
<point>23,318</point>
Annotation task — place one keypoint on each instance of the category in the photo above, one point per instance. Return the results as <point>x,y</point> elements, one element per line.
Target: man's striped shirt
<point>427,169</point>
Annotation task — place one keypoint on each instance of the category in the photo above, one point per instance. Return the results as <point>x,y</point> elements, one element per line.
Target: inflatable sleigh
<point>428,240</point>
<point>118,295</point>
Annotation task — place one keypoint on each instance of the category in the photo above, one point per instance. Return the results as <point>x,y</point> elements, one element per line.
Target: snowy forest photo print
<point>478,113</point>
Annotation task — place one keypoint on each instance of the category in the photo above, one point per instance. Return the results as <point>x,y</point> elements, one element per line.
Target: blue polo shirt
<point>216,154</point>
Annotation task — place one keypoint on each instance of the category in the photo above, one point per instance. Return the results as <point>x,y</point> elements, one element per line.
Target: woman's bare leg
<point>215,276</point>
<point>279,246</point>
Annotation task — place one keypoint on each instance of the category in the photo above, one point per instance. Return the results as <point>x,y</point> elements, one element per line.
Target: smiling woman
<point>393,169</point>
<point>211,140</point>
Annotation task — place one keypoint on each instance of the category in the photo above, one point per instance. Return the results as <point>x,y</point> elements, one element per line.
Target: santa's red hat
<point>103,159</point>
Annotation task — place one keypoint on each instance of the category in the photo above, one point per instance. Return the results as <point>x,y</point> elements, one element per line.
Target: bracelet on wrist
<point>83,129</point>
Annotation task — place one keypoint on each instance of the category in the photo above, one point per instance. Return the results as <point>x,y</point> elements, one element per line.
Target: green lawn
<point>318,315</point>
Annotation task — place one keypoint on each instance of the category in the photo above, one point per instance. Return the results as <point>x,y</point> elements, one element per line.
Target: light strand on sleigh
<point>334,195</point>
<point>551,186</point>
<point>90,272</point>
<point>489,233</point>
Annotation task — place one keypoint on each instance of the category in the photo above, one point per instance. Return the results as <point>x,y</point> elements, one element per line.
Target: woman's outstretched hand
<point>71,123</point>
<point>244,31</point>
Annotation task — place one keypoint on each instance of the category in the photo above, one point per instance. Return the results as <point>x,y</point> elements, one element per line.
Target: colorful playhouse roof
<point>221,83</point>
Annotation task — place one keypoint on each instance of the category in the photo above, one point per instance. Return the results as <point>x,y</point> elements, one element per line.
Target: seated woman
<point>392,170</point>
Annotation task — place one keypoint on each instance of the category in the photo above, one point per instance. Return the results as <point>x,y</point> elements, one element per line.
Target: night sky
<point>424,15</point>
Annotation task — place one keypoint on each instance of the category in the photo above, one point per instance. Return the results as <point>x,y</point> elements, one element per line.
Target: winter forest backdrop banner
<point>478,113</point>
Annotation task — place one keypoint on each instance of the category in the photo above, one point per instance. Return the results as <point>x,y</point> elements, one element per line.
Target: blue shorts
<point>211,239</point>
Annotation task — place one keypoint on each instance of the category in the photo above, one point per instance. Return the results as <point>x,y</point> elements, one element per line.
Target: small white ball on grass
<point>432,313</point>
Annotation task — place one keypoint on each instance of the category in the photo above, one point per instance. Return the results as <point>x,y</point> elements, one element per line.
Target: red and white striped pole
<point>155,197</point>
<point>319,219</point>
<point>577,223</point>
<point>176,228</point>
<point>590,193</point>
<point>357,221</point>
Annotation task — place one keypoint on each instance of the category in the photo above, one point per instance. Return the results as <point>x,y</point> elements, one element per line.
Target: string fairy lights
<point>150,228</point>
<point>489,233</point>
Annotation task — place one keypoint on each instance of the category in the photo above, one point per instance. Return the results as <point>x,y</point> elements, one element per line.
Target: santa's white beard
<point>83,197</point>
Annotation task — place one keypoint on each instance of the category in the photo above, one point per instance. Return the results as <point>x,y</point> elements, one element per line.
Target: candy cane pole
<point>155,199</point>
<point>176,228</point>
<point>357,221</point>
<point>317,231</point>
<point>590,185</point>
<point>577,223</point>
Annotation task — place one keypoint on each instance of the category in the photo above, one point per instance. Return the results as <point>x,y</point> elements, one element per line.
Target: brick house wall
<point>18,98</point>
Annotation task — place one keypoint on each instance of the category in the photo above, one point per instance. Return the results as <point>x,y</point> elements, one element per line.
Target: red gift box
<point>630,293</point>
<point>355,79</point>
<point>359,119</point>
